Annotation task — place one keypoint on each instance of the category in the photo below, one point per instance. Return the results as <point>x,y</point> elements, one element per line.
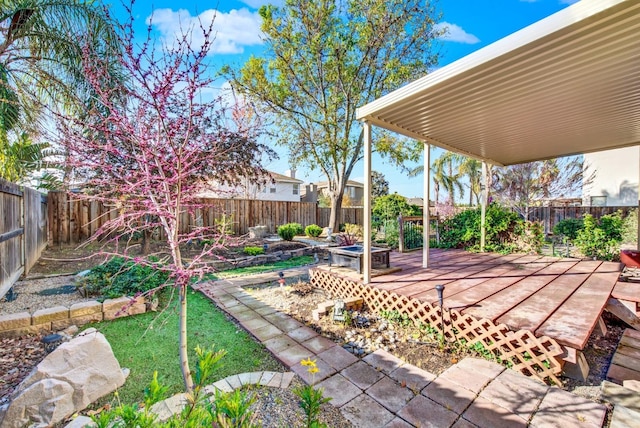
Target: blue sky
<point>471,24</point>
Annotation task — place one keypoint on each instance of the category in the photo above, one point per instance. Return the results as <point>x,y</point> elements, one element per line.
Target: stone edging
<point>172,405</point>
<point>61,317</point>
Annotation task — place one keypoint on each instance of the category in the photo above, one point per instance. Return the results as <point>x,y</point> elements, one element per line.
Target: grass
<point>148,342</point>
<point>269,267</point>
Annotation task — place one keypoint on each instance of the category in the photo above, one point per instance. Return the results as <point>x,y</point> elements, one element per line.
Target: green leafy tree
<point>379,185</point>
<point>389,207</point>
<point>444,174</point>
<point>472,170</point>
<point>324,60</point>
<point>601,238</point>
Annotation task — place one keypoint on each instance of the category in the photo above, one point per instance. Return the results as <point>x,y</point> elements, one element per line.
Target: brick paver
<point>449,395</point>
<point>318,344</point>
<point>486,414</point>
<point>362,374</point>
<point>412,377</point>
<point>391,395</point>
<point>422,412</point>
<point>561,408</point>
<point>324,371</point>
<point>301,334</point>
<point>383,361</point>
<point>339,389</point>
<point>338,358</point>
<point>364,412</point>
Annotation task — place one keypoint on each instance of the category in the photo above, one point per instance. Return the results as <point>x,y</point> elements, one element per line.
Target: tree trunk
<point>336,208</point>
<point>184,358</point>
<point>145,248</point>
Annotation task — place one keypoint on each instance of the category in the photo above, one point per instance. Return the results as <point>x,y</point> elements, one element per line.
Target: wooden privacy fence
<point>23,231</point>
<point>550,216</point>
<point>73,220</point>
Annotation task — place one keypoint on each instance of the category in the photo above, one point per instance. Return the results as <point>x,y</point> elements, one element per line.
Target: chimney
<point>291,173</point>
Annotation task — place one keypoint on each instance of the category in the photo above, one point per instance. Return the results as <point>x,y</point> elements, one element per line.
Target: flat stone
<point>283,322</point>
<point>362,374</point>
<point>484,413</point>
<point>398,423</point>
<point>463,423</point>
<point>302,334</point>
<point>449,395</point>
<point>391,395</point>
<point>412,377</point>
<point>338,358</point>
<point>267,332</point>
<point>319,344</point>
<point>223,385</point>
<point>620,396</point>
<point>85,308</point>
<point>518,380</point>
<point>383,361</point>
<point>266,378</point>
<point>279,343</point>
<point>464,378</point>
<point>247,315</point>
<point>293,355</point>
<point>518,399</point>
<point>234,381</point>
<point>363,412</point>
<point>176,403</point>
<point>623,417</point>
<point>119,304</point>
<point>275,381</point>
<point>561,408</point>
<point>254,323</point>
<point>287,377</point>
<point>81,422</point>
<point>50,314</point>
<point>266,310</point>
<point>339,389</point>
<point>480,366</point>
<point>15,321</point>
<point>250,378</point>
<point>424,413</point>
<point>324,371</point>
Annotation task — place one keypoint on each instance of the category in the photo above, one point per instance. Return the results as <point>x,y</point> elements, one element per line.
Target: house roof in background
<point>568,84</point>
<point>350,183</point>
<point>284,179</point>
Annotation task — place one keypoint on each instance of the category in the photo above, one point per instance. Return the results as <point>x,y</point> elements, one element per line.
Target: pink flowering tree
<point>146,147</point>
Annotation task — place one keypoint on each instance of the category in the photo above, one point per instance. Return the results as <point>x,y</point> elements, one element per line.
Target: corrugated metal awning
<point>565,85</point>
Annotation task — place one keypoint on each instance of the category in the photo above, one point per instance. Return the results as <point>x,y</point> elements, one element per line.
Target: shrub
<point>389,207</point>
<point>568,227</point>
<point>289,230</point>
<point>346,239</point>
<point>313,230</point>
<point>504,230</point>
<point>630,228</point>
<point>121,277</point>
<point>253,251</point>
<point>601,239</point>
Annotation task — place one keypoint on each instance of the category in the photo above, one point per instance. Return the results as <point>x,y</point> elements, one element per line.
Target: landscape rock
<point>258,232</point>
<point>74,375</point>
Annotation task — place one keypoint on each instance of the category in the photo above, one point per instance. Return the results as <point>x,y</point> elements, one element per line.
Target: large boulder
<point>74,375</point>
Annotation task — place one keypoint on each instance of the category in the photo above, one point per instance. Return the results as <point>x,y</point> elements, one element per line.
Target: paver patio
<point>381,390</point>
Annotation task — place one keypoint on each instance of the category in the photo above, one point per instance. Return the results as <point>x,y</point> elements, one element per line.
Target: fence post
<point>401,234</point>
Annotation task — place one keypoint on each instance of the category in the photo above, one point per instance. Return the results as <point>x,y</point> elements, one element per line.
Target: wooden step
<point>629,291</point>
<point>625,364</point>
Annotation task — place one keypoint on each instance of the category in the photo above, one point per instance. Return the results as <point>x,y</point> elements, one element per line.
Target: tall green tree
<point>326,58</point>
<point>472,170</point>
<point>379,184</point>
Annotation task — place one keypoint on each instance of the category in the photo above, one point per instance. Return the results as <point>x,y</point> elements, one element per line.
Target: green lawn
<point>269,267</point>
<point>149,342</point>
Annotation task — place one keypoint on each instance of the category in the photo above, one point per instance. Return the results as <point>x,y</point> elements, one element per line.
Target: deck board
<point>558,297</point>
<point>565,325</point>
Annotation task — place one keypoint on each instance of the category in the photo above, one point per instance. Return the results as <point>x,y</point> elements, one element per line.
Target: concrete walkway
<point>381,390</point>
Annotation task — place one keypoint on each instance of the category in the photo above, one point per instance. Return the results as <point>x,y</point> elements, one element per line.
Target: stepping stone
<point>449,395</point>
<point>623,417</point>
<point>621,396</point>
<point>513,396</point>
<point>338,358</point>
<point>383,361</point>
<point>364,412</point>
<point>293,355</point>
<point>464,378</point>
<point>424,413</point>
<point>391,395</point>
<point>319,344</point>
<point>484,413</point>
<point>302,334</point>
<point>339,389</point>
<point>561,408</point>
<point>362,374</point>
<point>324,371</point>
<point>398,423</point>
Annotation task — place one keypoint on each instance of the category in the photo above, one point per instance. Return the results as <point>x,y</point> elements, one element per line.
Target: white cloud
<point>455,33</point>
<point>257,3</point>
<point>233,30</point>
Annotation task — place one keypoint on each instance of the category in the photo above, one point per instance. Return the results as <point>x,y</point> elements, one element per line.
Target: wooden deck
<point>559,298</point>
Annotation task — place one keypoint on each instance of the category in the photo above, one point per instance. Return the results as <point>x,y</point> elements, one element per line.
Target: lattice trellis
<point>530,355</point>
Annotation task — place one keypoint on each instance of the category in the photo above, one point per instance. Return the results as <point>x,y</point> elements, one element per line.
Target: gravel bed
<point>32,295</point>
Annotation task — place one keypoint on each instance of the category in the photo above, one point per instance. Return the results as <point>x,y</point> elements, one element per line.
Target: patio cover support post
<point>638,211</point>
<point>366,257</point>
<point>483,208</point>
<point>426,228</point>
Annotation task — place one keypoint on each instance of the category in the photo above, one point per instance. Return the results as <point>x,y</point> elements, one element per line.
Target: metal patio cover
<point>567,84</point>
